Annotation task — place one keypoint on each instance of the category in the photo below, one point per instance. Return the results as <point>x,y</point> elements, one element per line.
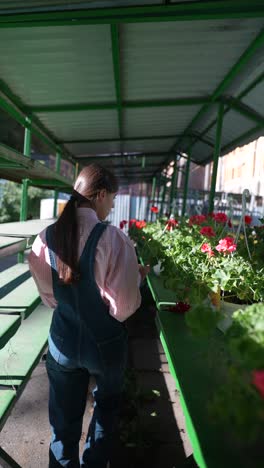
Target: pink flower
<point>248,219</point>
<point>207,231</point>
<point>220,217</point>
<point>258,381</point>
<point>171,224</point>
<point>206,248</point>
<point>154,209</point>
<point>226,245</point>
<point>197,219</point>
<point>122,224</point>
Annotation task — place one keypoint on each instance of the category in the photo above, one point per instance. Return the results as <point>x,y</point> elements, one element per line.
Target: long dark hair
<point>89,182</point>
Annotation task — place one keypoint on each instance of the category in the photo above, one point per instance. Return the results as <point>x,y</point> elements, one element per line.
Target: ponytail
<point>90,181</point>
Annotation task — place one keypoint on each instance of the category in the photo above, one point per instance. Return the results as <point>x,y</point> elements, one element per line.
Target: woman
<point>89,273</point>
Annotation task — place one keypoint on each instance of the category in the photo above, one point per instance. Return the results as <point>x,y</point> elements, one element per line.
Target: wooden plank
<point>8,327</point>
<point>25,228</point>
<point>27,346</point>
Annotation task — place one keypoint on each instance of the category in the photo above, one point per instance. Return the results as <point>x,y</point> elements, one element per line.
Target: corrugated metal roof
<point>82,125</point>
<point>58,65</point>
<point>148,146</point>
<point>165,60</point>
<point>81,149</point>
<point>157,120</point>
<point>159,61</point>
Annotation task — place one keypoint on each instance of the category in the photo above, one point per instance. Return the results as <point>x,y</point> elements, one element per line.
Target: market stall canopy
<point>135,85</point>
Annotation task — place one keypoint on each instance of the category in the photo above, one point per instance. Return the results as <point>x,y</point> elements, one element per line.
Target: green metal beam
<point>249,88</point>
<point>112,105</point>
<point>25,182</point>
<point>106,140</point>
<point>186,183</point>
<point>242,137</point>
<point>48,183</point>
<point>153,193</point>
<point>14,106</point>
<point>244,110</point>
<point>216,156</point>
<point>102,157</point>
<point>242,61</point>
<point>56,192</point>
<point>117,74</point>
<point>202,10</point>
<point>173,184</point>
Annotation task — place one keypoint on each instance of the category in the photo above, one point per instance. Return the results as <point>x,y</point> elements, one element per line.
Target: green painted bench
<point>198,366</point>
<point>18,292</point>
<point>22,342</point>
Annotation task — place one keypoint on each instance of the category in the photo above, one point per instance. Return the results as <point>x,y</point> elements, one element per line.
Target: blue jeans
<point>67,401</point>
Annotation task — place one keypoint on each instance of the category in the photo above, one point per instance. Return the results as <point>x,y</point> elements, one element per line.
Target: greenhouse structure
<point>137,86</point>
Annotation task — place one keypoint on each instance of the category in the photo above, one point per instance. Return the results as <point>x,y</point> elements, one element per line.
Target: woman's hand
<point>143,270</point>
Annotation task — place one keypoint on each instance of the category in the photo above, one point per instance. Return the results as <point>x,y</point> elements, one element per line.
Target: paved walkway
<point>152,427</point>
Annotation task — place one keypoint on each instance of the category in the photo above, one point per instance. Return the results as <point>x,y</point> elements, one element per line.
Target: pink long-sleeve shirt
<point>116,267</point>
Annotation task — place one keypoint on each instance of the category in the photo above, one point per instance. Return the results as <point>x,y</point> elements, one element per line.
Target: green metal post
<point>27,138</point>
<point>153,192</point>
<point>56,192</point>
<point>25,182</point>
<point>186,182</point>
<point>173,184</point>
<point>216,156</point>
<point>163,197</point>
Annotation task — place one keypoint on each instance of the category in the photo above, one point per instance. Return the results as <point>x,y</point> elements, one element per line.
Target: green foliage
<point>237,402</point>
<point>246,336</point>
<point>202,319</point>
<point>11,200</point>
<point>238,405</point>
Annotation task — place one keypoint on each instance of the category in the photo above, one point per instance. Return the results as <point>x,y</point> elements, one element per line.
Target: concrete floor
<point>26,433</point>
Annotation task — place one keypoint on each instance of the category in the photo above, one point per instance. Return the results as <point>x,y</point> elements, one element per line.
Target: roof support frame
<point>17,110</point>
<point>117,74</point>
<point>249,88</point>
<point>241,62</point>
<point>116,105</point>
<point>203,10</point>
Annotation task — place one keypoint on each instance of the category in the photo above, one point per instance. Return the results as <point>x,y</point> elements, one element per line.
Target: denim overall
<point>84,340</point>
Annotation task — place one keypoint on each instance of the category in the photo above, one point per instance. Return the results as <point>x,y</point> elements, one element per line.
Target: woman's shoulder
<point>117,236</point>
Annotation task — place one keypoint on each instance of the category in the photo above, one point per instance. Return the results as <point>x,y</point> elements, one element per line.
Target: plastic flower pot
<point>157,268</point>
<point>227,309</point>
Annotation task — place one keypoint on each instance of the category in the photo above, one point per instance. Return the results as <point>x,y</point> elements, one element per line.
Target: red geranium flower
<point>197,219</point>
<point>132,222</point>
<point>171,224</point>
<point>207,231</point>
<point>179,307</point>
<point>258,381</point>
<point>154,209</point>
<point>122,224</point>
<point>140,224</point>
<point>226,245</point>
<point>248,219</point>
<point>220,217</point>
